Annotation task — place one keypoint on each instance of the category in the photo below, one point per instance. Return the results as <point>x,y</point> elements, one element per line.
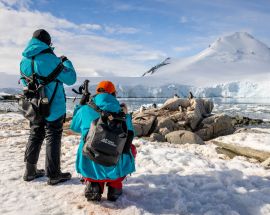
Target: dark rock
<point>164,131</point>
<point>244,121</point>
<point>165,123</point>
<point>157,137</point>
<point>215,126</point>
<point>143,124</point>
<point>183,137</point>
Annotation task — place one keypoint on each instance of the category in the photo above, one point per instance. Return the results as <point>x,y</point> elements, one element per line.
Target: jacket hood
<point>34,47</point>
<point>107,102</point>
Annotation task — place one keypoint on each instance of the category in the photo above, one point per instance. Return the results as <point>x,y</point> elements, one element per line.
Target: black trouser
<point>52,132</point>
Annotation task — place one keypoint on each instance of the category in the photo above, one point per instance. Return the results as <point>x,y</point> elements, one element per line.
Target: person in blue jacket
<point>96,175</point>
<point>45,61</point>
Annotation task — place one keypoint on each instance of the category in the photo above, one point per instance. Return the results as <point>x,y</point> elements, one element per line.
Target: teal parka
<point>44,64</point>
<point>82,118</point>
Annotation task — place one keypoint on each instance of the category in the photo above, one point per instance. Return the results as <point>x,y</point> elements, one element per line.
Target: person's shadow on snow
<point>72,181</point>
<point>216,192</point>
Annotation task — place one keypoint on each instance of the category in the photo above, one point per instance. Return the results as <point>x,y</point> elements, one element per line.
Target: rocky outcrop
<point>9,97</point>
<point>157,137</point>
<point>244,151</point>
<point>183,137</point>
<point>164,131</point>
<point>215,126</point>
<point>173,104</point>
<point>266,163</point>
<point>241,120</point>
<point>197,110</point>
<point>208,105</point>
<point>164,122</point>
<point>178,118</point>
<point>143,124</point>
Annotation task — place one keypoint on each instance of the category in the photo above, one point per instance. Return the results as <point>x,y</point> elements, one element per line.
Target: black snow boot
<point>61,177</point>
<point>114,193</point>
<point>92,191</point>
<point>31,172</point>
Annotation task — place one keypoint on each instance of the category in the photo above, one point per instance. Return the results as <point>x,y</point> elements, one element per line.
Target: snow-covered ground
<point>170,179</point>
<point>258,139</point>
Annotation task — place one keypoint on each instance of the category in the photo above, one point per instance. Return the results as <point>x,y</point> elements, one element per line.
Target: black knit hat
<point>43,36</point>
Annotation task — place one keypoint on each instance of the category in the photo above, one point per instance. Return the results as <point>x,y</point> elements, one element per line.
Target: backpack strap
<point>24,77</point>
<point>33,69</point>
<point>31,78</point>
<point>52,76</point>
<point>45,80</point>
<point>54,93</point>
<point>92,104</point>
<point>119,116</point>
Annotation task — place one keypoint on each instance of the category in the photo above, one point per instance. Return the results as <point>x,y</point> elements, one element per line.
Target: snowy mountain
<point>232,89</point>
<point>145,88</point>
<point>238,57</point>
<point>235,90</point>
<point>233,66</point>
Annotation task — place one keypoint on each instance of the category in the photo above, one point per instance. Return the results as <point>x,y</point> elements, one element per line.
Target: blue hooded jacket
<point>44,64</point>
<point>82,118</point>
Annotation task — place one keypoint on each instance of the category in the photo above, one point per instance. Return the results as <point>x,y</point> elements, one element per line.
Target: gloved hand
<point>85,99</point>
<point>63,58</point>
<point>124,108</point>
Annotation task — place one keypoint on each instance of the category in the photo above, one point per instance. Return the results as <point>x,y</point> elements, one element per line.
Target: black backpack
<point>106,137</point>
<point>34,104</point>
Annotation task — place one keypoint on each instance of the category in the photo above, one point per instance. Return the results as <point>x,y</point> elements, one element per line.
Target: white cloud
<point>90,53</point>
<point>121,30</point>
<point>90,27</point>
<point>21,4</point>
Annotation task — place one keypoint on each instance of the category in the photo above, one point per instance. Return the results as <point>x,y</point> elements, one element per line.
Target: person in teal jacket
<point>45,61</point>
<point>96,175</point>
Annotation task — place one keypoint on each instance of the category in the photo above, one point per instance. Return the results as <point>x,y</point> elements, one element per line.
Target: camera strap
<point>44,80</point>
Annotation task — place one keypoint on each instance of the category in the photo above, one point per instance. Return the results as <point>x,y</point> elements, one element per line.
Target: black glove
<point>85,99</point>
<point>63,58</point>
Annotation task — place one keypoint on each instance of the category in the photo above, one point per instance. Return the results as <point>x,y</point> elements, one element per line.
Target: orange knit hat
<point>105,87</point>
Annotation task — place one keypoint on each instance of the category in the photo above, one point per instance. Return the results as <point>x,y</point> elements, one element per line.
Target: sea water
<point>258,108</point>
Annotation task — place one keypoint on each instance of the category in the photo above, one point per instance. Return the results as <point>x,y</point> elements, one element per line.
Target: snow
<point>3,94</point>
<point>151,86</point>
<point>236,57</point>
<point>233,66</point>
<point>259,140</point>
<point>244,89</point>
<point>170,179</point>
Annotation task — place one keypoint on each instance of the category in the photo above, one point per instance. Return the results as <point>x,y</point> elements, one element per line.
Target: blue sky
<point>154,29</point>
<point>168,24</point>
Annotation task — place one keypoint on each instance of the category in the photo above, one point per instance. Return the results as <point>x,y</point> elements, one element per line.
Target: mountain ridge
<point>237,65</point>
<point>235,57</point>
